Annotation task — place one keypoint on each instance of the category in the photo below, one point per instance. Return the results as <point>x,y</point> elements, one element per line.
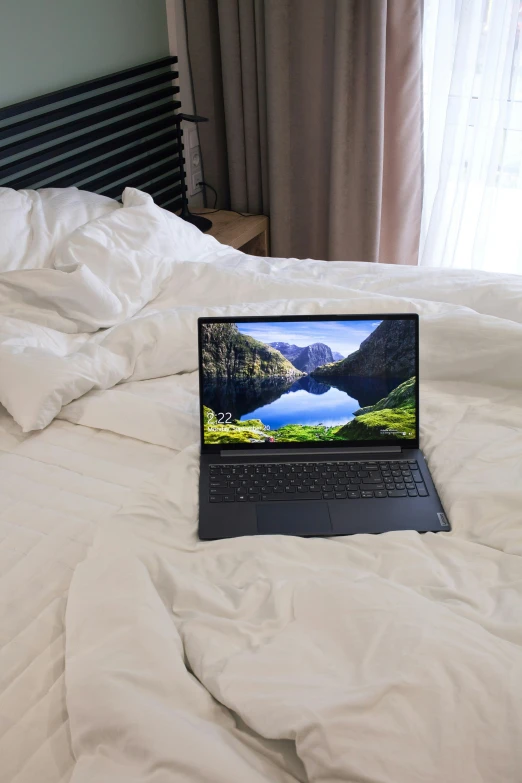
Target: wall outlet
<point>195,186</point>
<point>194,169</point>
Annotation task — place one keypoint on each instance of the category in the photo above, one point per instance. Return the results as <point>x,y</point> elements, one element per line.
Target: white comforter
<point>383,659</point>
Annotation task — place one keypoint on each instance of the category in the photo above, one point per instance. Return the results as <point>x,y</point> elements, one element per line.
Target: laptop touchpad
<point>295,518</point>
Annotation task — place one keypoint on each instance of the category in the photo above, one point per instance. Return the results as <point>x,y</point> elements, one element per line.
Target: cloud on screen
<point>342,336</point>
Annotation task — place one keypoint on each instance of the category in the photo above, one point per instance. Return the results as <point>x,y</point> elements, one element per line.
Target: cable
<point>207,212</point>
<point>212,211</point>
<point>214,191</point>
<point>242,214</point>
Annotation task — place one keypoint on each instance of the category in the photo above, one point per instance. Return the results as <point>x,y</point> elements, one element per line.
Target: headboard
<point>101,135</point>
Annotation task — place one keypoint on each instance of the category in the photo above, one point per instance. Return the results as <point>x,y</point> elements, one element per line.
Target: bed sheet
<point>56,486</point>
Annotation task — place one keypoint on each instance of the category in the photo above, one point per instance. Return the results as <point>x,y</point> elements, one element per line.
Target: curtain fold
<point>322,107</point>
<point>241,32</point>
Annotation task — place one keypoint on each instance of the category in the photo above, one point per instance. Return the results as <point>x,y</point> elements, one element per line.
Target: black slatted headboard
<point>102,135</point>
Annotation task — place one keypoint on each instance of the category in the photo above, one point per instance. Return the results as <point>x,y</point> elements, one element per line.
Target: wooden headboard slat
<point>156,163</point>
<point>79,89</point>
<point>134,140</point>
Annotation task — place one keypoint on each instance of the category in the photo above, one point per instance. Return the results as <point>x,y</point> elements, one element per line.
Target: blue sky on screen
<point>342,336</point>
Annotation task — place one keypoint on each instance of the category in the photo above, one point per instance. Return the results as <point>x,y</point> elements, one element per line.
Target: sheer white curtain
<point>472,211</point>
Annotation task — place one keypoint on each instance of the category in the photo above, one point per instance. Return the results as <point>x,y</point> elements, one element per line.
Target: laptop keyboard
<point>254,482</point>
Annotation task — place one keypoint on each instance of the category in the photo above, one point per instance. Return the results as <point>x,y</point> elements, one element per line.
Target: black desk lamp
<point>201,222</point>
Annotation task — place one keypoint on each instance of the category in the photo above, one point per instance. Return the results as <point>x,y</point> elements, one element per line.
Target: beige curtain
<point>322,116</point>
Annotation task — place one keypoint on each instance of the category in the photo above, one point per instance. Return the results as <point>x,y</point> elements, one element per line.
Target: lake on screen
<point>279,401</point>
<point>326,405</point>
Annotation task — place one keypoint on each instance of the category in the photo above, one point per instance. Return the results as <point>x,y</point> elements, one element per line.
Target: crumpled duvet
<point>383,659</point>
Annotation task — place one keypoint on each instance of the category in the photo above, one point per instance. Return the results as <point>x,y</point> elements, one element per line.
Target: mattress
<point>55,487</point>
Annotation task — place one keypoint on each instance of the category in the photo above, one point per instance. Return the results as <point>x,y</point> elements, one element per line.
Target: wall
<point>49,44</point>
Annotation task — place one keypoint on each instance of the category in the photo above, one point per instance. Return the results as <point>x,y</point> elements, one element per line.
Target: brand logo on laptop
<point>442,519</point>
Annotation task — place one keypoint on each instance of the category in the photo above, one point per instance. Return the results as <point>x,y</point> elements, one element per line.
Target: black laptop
<point>310,427</point>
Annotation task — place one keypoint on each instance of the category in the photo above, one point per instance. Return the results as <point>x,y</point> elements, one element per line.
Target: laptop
<point>310,427</point>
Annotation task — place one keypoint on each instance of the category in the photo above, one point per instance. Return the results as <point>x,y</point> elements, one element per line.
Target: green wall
<point>49,44</point>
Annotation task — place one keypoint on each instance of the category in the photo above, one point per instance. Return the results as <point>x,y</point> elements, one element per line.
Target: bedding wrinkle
<point>385,659</point>
<point>56,486</point>
<point>448,603</point>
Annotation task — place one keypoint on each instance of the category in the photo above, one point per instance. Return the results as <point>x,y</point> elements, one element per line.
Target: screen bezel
<point>215,448</point>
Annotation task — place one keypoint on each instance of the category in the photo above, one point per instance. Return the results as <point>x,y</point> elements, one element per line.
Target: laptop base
<point>336,517</point>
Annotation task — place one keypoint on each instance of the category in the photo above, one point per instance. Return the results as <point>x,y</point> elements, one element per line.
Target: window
<point>472,213</point>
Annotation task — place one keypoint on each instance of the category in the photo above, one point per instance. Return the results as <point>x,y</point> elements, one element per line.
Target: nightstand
<point>249,234</point>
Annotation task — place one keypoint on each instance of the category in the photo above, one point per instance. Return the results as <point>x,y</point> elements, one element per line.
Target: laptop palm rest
<point>296,518</point>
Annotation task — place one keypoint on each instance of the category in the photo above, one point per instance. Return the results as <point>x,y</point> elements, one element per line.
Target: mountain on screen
<point>229,354</point>
<point>389,350</point>
<point>310,357</point>
<point>289,351</point>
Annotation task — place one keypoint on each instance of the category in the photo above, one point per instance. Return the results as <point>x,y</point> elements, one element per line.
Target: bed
<point>133,652</point>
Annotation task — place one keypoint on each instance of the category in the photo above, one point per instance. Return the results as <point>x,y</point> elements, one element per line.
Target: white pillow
<point>186,242</point>
<point>131,252</point>
<point>106,270</point>
<point>34,222</point>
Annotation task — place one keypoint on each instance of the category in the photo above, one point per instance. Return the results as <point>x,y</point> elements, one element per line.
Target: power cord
<point>214,191</point>
<point>241,214</point>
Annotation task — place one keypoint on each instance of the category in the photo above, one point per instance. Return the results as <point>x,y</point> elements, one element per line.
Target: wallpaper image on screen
<point>296,381</point>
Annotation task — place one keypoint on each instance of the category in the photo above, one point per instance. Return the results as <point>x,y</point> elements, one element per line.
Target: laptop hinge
<point>314,452</point>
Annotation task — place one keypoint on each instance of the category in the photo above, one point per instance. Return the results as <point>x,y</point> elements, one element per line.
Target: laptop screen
<point>309,380</point>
